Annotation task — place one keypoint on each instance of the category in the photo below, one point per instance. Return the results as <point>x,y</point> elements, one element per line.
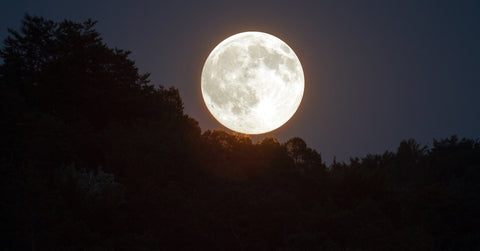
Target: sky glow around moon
<point>252,82</point>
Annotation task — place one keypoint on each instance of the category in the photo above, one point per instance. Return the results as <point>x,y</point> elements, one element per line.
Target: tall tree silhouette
<point>66,69</point>
<point>69,100</point>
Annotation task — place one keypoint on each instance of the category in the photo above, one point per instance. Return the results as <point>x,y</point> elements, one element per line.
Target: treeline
<point>94,157</point>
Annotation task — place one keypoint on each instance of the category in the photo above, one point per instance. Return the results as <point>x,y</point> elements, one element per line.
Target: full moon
<point>252,82</point>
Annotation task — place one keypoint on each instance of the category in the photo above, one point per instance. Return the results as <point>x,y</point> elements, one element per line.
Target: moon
<point>252,82</point>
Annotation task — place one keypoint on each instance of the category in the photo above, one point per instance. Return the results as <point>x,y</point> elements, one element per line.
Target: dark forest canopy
<point>95,157</point>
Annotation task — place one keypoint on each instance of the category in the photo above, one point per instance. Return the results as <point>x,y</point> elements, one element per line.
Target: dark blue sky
<point>376,72</point>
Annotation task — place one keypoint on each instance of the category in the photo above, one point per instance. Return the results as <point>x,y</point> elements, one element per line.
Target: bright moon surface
<point>252,82</point>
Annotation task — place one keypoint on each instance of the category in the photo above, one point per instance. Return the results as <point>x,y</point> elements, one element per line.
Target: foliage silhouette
<point>95,157</point>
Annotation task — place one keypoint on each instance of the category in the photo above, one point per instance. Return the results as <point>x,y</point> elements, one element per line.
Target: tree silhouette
<point>304,158</point>
<point>94,157</point>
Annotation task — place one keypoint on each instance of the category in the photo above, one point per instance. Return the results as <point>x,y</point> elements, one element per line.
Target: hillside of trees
<point>94,157</point>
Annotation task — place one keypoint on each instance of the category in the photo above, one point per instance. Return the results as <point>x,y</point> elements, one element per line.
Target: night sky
<point>376,72</point>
